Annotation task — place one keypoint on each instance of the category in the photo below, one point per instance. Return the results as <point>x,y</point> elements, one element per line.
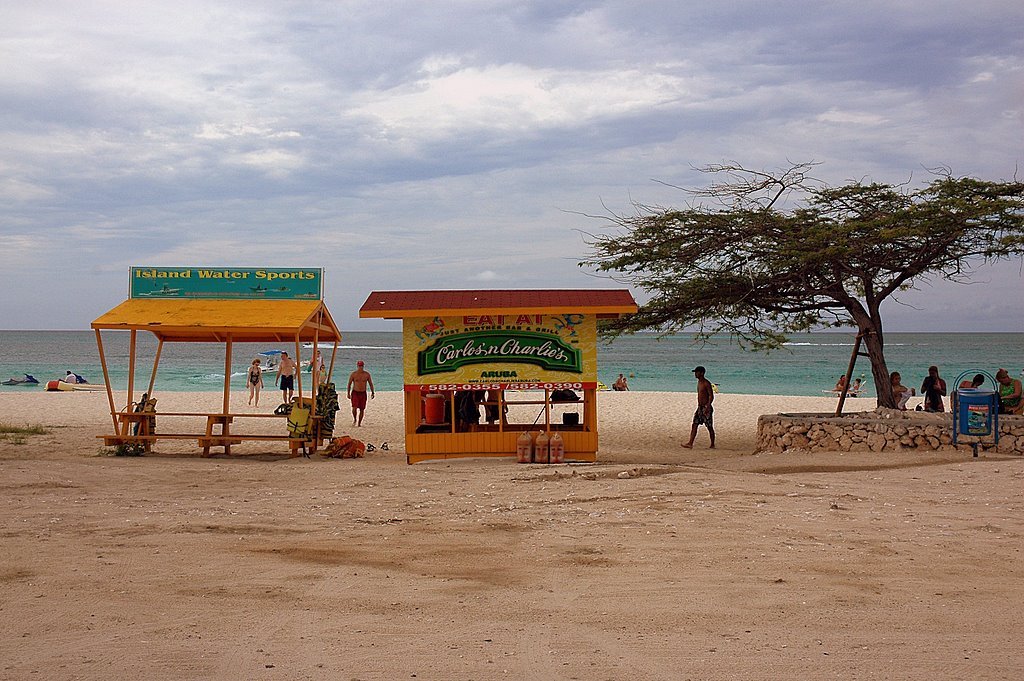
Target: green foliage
<point>130,449</point>
<point>6,428</point>
<point>763,255</point>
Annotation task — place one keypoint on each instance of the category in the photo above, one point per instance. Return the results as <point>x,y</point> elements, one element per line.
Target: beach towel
<point>326,408</point>
<point>345,447</point>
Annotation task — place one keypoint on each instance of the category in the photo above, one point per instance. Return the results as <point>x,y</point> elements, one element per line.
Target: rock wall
<point>881,430</point>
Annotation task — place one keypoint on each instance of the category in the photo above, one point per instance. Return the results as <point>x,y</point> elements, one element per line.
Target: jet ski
<point>28,380</point>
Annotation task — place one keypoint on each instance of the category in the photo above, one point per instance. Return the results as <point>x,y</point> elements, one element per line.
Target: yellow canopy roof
<point>197,320</point>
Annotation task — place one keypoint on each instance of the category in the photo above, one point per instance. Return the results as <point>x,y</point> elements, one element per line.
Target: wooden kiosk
<point>513,353</point>
<point>200,305</point>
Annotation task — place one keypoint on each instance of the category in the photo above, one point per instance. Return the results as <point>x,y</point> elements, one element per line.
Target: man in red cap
<point>357,382</point>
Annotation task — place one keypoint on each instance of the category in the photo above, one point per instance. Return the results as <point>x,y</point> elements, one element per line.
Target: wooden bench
<point>225,438</point>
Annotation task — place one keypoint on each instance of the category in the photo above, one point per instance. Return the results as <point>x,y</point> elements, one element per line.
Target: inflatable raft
<point>54,386</point>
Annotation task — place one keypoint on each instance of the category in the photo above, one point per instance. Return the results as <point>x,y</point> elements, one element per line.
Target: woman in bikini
<point>255,381</point>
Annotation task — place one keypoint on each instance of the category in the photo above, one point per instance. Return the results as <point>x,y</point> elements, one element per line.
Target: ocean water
<point>808,365</point>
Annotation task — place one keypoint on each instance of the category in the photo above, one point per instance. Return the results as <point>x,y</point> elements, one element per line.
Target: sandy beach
<point>655,563</point>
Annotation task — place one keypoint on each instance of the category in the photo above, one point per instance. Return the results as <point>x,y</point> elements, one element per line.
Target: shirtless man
<point>357,382</point>
<point>704,414</point>
<point>286,375</point>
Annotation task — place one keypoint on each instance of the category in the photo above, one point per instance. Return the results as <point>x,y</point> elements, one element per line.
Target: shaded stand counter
<point>481,367</point>
<point>171,315</point>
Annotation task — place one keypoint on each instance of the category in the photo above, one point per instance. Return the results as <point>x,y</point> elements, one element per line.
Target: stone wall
<point>881,430</point>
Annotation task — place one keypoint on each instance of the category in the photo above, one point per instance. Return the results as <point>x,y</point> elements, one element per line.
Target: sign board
<point>227,283</point>
<point>500,351</point>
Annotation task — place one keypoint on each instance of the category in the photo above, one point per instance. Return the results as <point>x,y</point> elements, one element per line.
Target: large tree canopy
<point>761,254</point>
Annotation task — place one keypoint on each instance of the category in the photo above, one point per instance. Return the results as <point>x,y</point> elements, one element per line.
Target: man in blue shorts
<point>286,376</point>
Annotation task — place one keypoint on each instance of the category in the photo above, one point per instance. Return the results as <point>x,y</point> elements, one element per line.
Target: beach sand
<point>655,563</point>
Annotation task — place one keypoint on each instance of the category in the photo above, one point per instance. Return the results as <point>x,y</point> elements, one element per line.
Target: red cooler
<point>433,408</point>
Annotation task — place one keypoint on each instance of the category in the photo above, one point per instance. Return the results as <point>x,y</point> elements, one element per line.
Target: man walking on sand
<point>286,375</point>
<point>704,414</point>
<point>357,382</point>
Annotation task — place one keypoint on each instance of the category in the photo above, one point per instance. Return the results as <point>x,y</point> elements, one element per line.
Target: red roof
<point>398,304</point>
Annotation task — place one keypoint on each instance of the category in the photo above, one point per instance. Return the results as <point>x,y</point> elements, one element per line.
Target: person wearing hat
<point>357,382</point>
<point>705,413</point>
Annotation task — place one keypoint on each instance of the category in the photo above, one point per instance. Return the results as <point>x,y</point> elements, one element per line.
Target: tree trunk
<point>872,340</point>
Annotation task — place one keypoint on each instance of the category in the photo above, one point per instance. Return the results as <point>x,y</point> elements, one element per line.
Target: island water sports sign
<point>500,351</point>
<point>227,283</point>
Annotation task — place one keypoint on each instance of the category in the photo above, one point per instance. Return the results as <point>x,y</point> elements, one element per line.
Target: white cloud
<point>514,97</point>
<point>428,146</point>
<point>851,117</point>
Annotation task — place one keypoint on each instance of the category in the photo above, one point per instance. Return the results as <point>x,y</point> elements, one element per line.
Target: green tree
<point>760,255</point>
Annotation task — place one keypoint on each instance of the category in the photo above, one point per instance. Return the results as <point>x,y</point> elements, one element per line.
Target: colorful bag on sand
<point>345,447</point>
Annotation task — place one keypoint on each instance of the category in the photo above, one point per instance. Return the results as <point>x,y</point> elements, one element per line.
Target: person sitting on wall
<point>1010,401</point>
<point>902,392</point>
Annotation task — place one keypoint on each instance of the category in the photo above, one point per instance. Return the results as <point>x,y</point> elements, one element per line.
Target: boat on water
<point>269,359</point>
<point>61,386</point>
<point>28,380</point>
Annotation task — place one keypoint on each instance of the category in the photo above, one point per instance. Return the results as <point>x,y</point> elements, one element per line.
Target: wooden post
<point>547,411</point>
<point>106,379</point>
<point>156,362</point>
<point>314,369</point>
<point>131,369</point>
<point>227,378</point>
<point>298,368</point>
<point>334,354</point>
<point>849,373</point>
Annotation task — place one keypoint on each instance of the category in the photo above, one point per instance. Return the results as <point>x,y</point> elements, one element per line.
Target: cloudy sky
<point>456,144</point>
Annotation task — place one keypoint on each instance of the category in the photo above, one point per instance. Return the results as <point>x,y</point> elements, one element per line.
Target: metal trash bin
<point>976,411</point>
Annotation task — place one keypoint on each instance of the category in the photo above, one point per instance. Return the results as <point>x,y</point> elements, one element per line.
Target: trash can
<point>433,409</point>
<point>976,409</point>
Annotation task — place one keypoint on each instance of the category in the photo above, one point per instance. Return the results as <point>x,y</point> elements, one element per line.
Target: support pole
<point>849,374</point>
<point>334,354</point>
<point>131,368</point>
<point>156,362</point>
<point>298,368</point>
<point>227,378</point>
<point>547,411</point>
<point>314,368</point>
<point>106,379</point>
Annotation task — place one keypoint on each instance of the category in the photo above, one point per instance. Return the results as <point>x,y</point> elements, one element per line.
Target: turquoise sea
<point>809,364</point>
